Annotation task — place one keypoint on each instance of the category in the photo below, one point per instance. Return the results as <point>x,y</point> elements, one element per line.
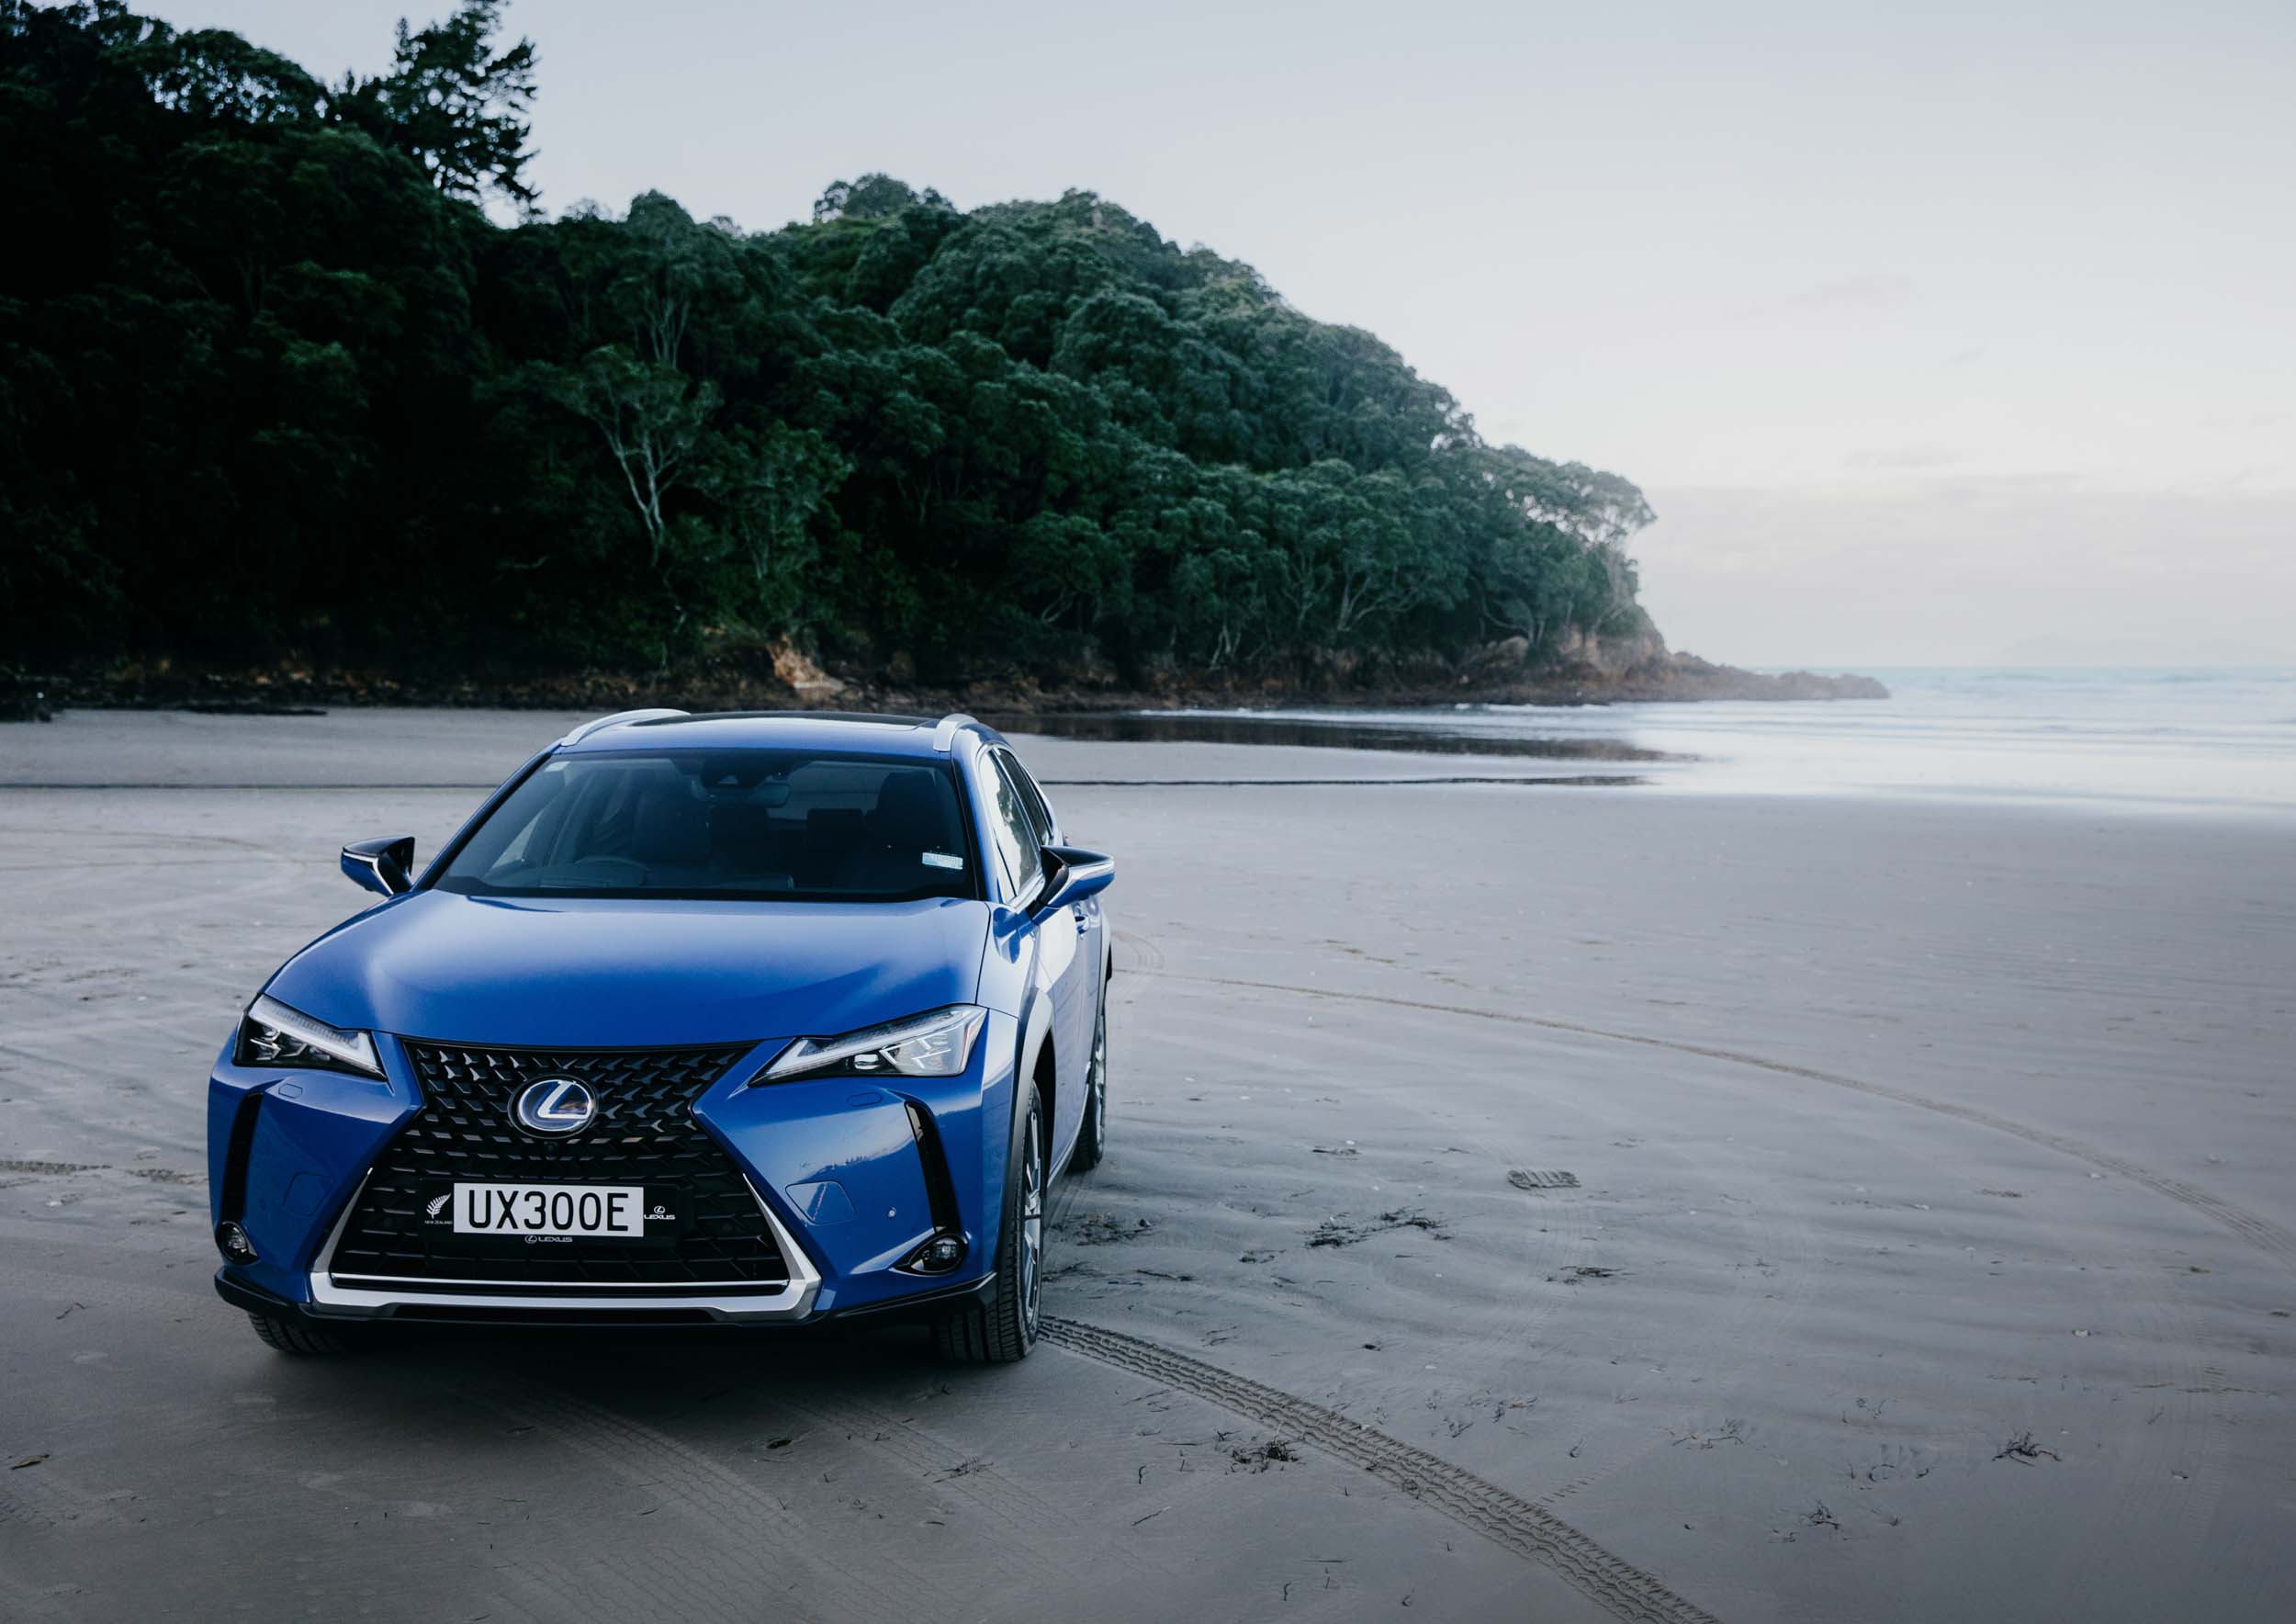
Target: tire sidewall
<point>1012,1306</point>
<point>1096,1080</point>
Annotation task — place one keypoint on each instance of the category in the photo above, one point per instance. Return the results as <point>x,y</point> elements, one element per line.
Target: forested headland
<point>277,392</point>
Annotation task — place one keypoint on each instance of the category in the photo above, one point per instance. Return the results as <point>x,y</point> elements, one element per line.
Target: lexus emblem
<point>555,1105</point>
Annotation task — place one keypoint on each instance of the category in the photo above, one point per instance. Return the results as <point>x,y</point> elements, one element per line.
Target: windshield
<point>760,824</point>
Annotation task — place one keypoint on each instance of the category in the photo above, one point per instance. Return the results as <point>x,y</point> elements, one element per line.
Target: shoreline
<point>787,685</point>
<point>2083,760</point>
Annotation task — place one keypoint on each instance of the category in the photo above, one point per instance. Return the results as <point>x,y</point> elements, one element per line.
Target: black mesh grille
<point>644,1135</point>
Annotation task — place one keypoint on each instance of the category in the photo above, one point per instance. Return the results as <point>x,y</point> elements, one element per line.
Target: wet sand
<point>1800,1208</point>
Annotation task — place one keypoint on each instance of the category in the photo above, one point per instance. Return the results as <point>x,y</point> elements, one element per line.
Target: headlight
<point>272,1034</point>
<point>933,1045</point>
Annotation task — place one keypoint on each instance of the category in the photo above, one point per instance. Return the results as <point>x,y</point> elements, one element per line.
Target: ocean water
<point>2198,740</point>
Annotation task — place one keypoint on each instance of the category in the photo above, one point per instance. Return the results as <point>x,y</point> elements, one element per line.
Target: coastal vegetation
<point>274,385</point>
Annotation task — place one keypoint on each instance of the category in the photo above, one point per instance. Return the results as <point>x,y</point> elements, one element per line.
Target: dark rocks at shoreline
<point>1687,677</point>
<point>25,699</point>
<point>742,685</point>
<point>1675,678</point>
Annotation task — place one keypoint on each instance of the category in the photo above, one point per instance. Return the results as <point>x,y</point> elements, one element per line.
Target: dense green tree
<point>873,197</point>
<point>653,419</point>
<point>271,385</point>
<point>454,104</point>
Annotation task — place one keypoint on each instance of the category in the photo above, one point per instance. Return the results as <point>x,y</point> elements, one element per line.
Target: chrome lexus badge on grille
<point>554,1105</point>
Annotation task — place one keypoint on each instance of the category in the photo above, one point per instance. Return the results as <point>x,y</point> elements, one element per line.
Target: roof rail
<point>945,734</point>
<point>600,723</point>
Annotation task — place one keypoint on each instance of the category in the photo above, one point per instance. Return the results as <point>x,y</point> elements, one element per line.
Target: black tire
<point>1092,1138</point>
<point>295,1337</point>
<point>1001,1330</point>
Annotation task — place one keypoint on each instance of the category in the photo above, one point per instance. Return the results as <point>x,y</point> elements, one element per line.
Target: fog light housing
<point>937,1256</point>
<point>233,1242</point>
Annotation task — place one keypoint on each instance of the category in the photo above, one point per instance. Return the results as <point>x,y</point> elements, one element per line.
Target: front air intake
<point>401,1232</point>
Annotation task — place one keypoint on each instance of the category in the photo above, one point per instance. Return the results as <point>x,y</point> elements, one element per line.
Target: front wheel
<point>1002,1330</point>
<point>1092,1138</point>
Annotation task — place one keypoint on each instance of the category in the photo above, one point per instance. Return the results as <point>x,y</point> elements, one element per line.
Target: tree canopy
<point>272,384</point>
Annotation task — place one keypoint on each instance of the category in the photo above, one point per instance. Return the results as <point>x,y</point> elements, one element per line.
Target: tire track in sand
<point>2261,1233</point>
<point>1507,1521</point>
<point>1031,1530</point>
<point>1784,1241</point>
<point>21,1599</point>
<point>630,1582</point>
<point>2201,1457</point>
<point>761,1540</point>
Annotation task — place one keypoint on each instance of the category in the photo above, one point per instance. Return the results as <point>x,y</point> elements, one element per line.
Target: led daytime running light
<point>938,1044</point>
<point>353,1049</point>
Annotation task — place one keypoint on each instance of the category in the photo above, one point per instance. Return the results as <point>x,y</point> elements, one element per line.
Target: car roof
<point>859,732</point>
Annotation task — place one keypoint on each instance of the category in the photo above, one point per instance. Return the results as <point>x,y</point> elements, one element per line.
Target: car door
<point>1091,925</point>
<point>1060,937</point>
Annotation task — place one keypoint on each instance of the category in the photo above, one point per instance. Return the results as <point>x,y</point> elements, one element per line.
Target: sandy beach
<point>1745,1206</point>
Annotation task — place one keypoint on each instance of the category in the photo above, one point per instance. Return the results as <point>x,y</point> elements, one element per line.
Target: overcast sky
<point>1936,334</point>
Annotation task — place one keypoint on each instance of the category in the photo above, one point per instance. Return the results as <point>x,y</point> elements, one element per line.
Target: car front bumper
<point>845,1183</point>
<point>411,1309</point>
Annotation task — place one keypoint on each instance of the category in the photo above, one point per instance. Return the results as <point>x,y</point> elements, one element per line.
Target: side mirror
<point>1073,873</point>
<point>384,866</point>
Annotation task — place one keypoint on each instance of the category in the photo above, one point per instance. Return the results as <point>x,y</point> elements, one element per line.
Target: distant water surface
<point>2167,739</point>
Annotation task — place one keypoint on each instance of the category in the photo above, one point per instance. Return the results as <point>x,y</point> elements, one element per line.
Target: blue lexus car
<point>738,1019</point>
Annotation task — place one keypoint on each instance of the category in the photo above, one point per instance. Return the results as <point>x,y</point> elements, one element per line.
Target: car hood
<point>597,972</point>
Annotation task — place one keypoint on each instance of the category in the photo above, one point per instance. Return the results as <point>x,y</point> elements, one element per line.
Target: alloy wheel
<point>1032,1221</point>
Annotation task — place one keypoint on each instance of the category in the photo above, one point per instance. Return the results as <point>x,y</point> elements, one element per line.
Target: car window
<point>1009,826</point>
<point>1031,798</point>
<point>783,825</point>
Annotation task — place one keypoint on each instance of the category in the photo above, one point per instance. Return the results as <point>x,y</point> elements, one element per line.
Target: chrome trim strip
<point>423,1284</point>
<point>793,1301</point>
<point>600,724</point>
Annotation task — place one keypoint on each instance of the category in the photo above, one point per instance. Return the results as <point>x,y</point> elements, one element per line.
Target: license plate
<point>614,1211</point>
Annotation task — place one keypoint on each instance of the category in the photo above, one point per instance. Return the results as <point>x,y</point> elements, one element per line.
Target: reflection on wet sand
<point>1421,736</point>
